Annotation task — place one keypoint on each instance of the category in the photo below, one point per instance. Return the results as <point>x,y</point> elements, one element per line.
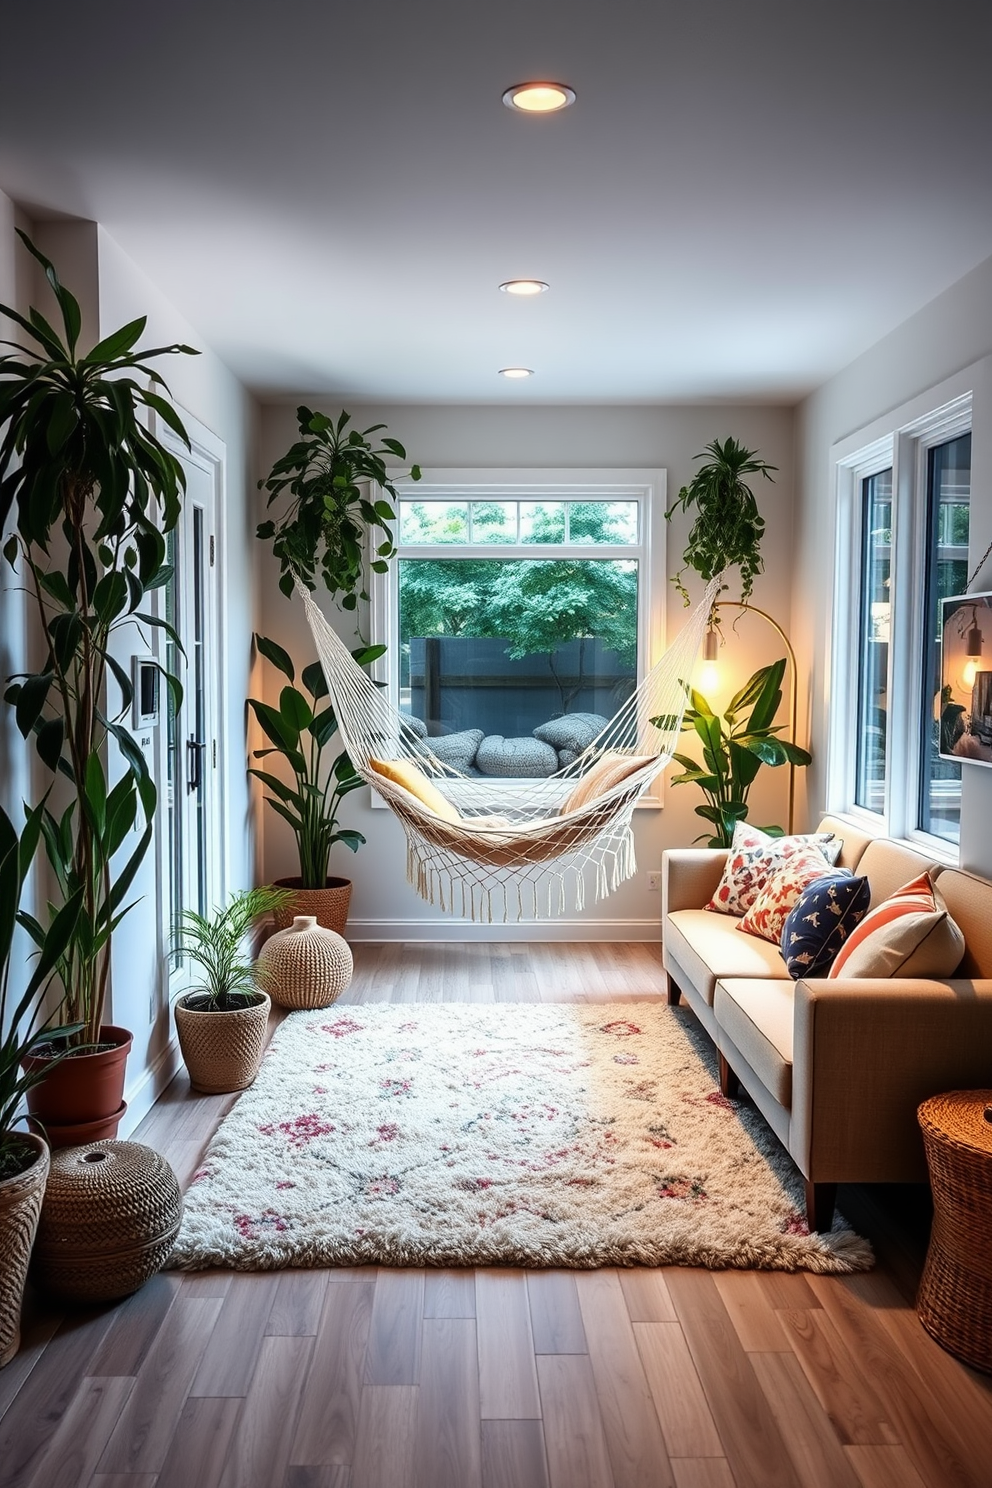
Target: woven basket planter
<point>955,1297</point>
<point>305,966</point>
<point>222,1050</point>
<point>328,906</point>
<point>20,1206</point>
<point>108,1222</point>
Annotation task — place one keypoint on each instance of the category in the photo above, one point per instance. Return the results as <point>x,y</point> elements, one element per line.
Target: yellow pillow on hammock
<point>608,771</point>
<point>412,778</point>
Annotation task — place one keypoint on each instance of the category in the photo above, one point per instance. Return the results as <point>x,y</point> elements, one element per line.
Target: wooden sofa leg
<point>674,990</point>
<point>820,1201</point>
<point>730,1086</point>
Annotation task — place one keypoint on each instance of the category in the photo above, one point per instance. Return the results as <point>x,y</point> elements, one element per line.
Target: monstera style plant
<point>734,749</point>
<point>92,493</point>
<point>728,527</point>
<point>331,523</point>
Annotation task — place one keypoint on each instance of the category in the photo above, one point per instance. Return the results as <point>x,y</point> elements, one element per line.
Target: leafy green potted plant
<point>93,492</point>
<point>23,1155</point>
<point>734,749</point>
<point>221,1021</point>
<point>330,522</point>
<point>728,528</point>
<point>299,731</point>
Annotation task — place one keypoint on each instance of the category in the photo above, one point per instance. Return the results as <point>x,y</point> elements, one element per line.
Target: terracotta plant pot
<point>83,1088</point>
<point>328,906</point>
<point>77,1133</point>
<point>222,1050</point>
<point>20,1206</point>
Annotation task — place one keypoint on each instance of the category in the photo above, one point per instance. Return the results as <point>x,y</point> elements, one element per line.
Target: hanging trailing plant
<point>331,525</point>
<point>728,527</point>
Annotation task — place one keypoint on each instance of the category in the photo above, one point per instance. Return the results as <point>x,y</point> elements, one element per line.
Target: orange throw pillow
<point>908,934</point>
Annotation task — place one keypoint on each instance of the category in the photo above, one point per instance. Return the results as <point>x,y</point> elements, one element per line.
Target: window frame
<point>903,440</point>
<point>646,486</point>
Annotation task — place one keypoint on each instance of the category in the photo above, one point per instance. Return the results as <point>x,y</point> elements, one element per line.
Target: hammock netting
<point>517,848</point>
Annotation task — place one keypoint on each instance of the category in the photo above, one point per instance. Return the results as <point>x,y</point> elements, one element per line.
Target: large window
<point>904,506</point>
<point>517,604</point>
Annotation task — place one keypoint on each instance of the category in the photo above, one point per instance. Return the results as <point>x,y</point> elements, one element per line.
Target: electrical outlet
<point>654,882</point>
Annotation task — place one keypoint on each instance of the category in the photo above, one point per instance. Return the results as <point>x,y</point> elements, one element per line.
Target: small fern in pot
<point>221,1020</point>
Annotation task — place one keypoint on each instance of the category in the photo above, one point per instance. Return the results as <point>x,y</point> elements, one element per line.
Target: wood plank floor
<point>358,1378</point>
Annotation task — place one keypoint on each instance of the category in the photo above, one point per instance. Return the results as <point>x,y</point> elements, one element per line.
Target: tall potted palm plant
<point>333,522</point>
<point>93,494</point>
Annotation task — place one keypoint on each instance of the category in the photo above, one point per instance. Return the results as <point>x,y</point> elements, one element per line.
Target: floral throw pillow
<point>771,909</point>
<point>824,915</point>
<point>755,856</point>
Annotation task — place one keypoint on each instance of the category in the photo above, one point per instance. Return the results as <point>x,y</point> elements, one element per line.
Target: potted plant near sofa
<point>93,493</point>
<point>299,732</point>
<point>735,746</point>
<point>23,1155</point>
<point>221,1020</point>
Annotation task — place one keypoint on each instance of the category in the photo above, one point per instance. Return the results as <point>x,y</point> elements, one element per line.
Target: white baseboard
<point>452,929</point>
<point>152,1081</point>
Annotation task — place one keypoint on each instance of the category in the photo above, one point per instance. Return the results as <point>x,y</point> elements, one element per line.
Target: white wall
<point>487,436</point>
<point>112,291</point>
<point>948,335</point>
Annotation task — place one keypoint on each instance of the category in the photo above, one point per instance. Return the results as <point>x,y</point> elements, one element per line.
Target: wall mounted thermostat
<point>146,679</point>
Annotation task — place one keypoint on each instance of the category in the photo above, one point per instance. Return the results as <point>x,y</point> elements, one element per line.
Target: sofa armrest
<point>689,876</point>
<point>866,1053</point>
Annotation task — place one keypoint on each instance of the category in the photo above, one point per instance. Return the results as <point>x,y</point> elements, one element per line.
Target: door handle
<point>194,767</point>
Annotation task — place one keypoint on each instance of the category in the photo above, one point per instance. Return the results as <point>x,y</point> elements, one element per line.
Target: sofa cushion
<point>887,865</point>
<point>909,934</point>
<point>969,900</point>
<point>753,857</point>
<point>853,839</point>
<point>771,909</point>
<point>757,1016</point>
<point>818,925</point>
<point>708,946</point>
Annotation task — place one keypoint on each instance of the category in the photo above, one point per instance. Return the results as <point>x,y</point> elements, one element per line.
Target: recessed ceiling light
<point>516,372</point>
<point>539,98</point>
<point>523,286</point>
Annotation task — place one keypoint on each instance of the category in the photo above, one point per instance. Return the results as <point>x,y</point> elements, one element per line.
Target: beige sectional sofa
<point>837,1068</point>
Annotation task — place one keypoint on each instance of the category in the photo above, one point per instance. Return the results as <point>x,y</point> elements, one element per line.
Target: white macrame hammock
<point>535,858</point>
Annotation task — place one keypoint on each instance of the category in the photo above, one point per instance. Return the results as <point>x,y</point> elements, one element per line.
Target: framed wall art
<point>965,704</point>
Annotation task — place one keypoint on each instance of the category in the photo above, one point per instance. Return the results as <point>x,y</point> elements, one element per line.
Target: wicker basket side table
<point>955,1298</point>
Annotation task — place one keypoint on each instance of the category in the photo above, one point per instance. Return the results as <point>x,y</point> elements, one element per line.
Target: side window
<point>948,510</point>
<point>873,640</point>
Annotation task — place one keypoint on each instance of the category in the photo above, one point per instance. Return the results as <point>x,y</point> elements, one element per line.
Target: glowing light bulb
<point>971,669</point>
<point>709,677</point>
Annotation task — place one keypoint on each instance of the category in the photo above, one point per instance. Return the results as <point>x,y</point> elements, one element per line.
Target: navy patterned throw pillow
<point>824,915</point>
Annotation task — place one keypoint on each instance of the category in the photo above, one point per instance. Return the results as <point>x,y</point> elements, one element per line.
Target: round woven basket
<point>20,1206</point>
<point>305,966</point>
<point>222,1050</point>
<point>329,905</point>
<point>955,1297</point>
<point>108,1222</point>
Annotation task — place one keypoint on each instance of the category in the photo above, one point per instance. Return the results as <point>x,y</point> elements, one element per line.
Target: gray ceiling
<point>745,195</point>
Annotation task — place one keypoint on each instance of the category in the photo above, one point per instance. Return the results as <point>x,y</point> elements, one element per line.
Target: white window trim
<point>648,486</point>
<point>902,439</point>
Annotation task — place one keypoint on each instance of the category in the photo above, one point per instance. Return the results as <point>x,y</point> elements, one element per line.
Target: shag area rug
<point>498,1134</point>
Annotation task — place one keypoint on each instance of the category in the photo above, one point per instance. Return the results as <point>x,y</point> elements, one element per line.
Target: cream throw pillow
<point>609,770</point>
<point>909,934</point>
<point>413,779</point>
